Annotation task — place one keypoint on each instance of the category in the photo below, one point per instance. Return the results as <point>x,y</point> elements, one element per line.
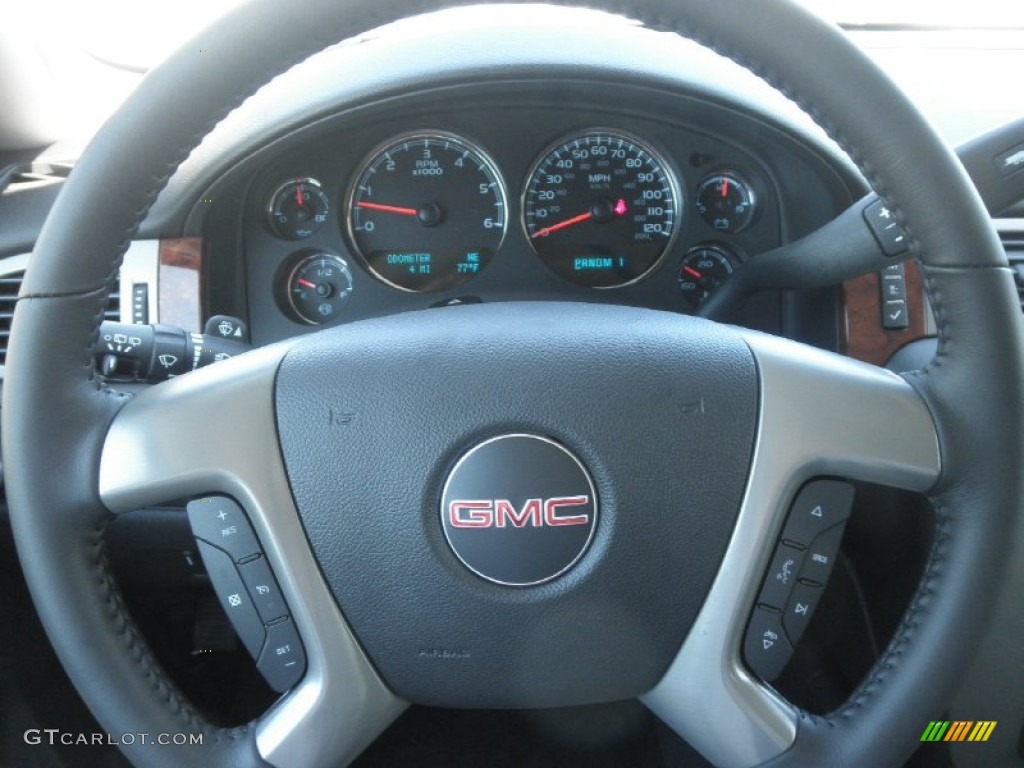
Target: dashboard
<point>497,174</point>
<point>617,165</point>
<point>226,235</point>
<point>514,190</point>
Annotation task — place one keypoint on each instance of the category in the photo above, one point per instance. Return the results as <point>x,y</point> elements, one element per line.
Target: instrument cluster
<point>428,211</point>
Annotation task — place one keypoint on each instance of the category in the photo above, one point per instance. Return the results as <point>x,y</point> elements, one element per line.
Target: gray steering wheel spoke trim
<point>820,414</point>
<point>157,449</point>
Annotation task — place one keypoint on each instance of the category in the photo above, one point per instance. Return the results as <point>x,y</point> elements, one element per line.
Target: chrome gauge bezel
<point>657,156</point>
<point>374,155</point>
<point>272,201</point>
<point>302,258</point>
<point>744,183</point>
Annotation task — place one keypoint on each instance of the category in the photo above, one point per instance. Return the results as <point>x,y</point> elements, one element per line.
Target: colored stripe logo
<point>958,730</point>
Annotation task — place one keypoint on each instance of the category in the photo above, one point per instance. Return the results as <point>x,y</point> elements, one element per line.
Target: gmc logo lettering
<point>500,513</point>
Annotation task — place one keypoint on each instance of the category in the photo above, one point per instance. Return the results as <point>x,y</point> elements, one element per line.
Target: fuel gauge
<point>317,287</point>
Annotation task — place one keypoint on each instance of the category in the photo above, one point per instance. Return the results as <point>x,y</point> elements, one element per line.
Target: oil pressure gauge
<point>297,209</point>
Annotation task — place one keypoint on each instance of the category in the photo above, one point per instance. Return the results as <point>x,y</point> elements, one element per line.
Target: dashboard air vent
<point>10,284</point>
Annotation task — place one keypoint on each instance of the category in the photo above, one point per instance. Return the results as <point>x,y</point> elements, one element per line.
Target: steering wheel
<point>657,604</point>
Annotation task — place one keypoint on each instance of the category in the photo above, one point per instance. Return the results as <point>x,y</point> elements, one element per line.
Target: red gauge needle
<point>691,271</point>
<point>725,186</point>
<point>298,195</point>
<point>388,208</point>
<point>306,284</point>
<point>562,225</point>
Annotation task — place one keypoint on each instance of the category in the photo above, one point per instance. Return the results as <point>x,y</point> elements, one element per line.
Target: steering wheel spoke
<point>820,415</point>
<point>214,431</point>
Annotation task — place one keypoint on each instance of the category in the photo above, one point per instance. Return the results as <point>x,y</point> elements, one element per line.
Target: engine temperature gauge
<point>704,268</point>
<point>317,287</point>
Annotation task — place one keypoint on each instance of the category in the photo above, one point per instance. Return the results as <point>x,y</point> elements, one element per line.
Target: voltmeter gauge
<point>726,202</point>
<point>297,209</point>
<point>317,287</point>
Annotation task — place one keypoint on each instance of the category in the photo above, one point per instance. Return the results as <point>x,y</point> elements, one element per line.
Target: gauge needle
<point>306,284</point>
<point>298,195</point>
<point>725,187</point>
<point>562,225</point>
<point>387,208</point>
<point>691,271</point>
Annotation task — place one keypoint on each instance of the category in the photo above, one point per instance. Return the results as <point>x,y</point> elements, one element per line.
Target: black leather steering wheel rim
<point>57,413</point>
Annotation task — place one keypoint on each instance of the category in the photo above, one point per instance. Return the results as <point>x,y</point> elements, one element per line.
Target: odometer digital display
<point>601,209</point>
<point>427,212</point>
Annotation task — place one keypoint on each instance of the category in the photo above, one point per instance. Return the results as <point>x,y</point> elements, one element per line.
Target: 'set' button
<point>283,660</point>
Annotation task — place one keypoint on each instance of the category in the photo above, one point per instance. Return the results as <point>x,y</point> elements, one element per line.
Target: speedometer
<point>601,209</point>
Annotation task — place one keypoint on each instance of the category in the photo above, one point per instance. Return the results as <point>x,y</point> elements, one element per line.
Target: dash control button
<point>800,609</point>
<point>894,315</point>
<point>821,555</point>
<point>766,648</point>
<point>820,505</point>
<point>283,660</point>
<point>233,597</point>
<point>781,576</point>
<point>219,521</point>
<point>887,231</point>
<point>263,589</point>
<point>1010,161</point>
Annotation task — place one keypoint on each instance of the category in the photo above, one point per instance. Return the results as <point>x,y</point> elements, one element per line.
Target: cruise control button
<point>821,555</point>
<point>781,577</point>
<point>283,660</point>
<point>766,648</point>
<point>233,597</point>
<point>819,506</point>
<point>801,607</point>
<point>263,589</point>
<point>219,521</point>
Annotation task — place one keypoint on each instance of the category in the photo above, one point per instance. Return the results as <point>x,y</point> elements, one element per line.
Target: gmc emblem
<point>500,513</point>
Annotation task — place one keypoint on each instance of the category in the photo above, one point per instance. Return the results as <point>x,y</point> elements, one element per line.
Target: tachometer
<point>601,209</point>
<point>427,212</point>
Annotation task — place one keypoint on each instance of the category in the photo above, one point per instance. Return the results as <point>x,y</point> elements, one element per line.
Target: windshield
<point>145,33</point>
<point>89,56</point>
<point>977,14</point>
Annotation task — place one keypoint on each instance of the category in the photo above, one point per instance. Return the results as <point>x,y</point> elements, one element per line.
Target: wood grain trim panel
<point>864,337</point>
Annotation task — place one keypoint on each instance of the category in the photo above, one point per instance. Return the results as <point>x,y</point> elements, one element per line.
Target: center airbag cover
<point>660,408</point>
